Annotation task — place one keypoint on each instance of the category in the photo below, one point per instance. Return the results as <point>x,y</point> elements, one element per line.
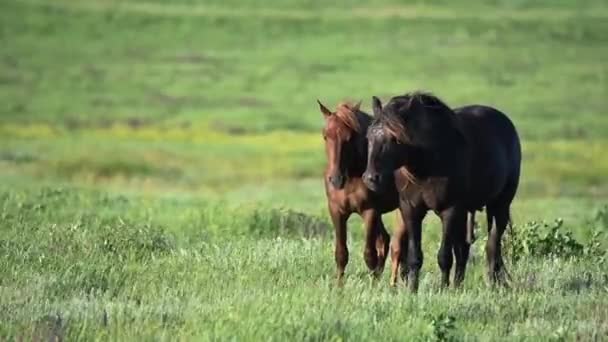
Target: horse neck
<point>359,163</point>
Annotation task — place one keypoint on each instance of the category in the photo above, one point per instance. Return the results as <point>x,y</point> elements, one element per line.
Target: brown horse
<point>346,150</point>
<point>448,162</point>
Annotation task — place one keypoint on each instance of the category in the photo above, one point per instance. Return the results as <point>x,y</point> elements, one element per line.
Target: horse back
<point>495,153</point>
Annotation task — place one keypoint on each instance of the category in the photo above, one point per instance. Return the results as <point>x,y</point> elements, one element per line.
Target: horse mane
<point>398,108</point>
<point>392,118</point>
<point>349,116</point>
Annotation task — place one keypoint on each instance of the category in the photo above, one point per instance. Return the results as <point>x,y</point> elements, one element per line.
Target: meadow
<point>161,167</point>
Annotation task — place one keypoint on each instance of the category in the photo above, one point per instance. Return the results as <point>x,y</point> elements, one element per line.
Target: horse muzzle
<point>372,181</point>
<point>337,181</point>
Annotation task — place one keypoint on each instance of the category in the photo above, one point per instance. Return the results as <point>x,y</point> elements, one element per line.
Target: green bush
<point>551,239</point>
<point>443,327</point>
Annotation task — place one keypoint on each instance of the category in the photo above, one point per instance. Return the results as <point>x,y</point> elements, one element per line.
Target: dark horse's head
<point>343,134</point>
<point>404,134</point>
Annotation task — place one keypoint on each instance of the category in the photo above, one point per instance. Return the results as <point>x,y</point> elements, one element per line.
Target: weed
<point>286,223</point>
<point>551,239</point>
<point>443,327</point>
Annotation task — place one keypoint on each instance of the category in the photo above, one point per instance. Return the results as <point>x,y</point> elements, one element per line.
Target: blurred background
<point>217,99</point>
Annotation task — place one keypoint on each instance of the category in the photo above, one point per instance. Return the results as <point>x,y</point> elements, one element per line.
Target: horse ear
<point>357,106</point>
<point>376,106</point>
<point>326,112</point>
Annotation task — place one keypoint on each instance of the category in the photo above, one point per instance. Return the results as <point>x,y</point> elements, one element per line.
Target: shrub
<point>443,327</point>
<point>286,222</point>
<point>121,237</point>
<point>600,218</point>
<point>543,239</point>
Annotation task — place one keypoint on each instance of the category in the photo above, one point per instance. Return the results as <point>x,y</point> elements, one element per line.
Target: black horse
<point>448,162</point>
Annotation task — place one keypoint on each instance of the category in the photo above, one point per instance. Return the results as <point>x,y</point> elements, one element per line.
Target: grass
<point>87,265</point>
<point>160,166</point>
<point>200,73</point>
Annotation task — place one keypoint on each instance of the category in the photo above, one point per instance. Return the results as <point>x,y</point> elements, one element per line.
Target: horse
<point>346,151</point>
<point>451,163</point>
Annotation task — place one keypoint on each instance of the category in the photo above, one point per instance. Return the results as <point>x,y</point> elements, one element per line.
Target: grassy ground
<point>160,165</point>
<point>88,265</point>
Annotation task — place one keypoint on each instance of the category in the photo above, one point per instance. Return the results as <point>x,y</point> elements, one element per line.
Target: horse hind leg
<point>471,229</point>
<point>399,252</point>
<point>382,246</point>
<point>497,274</point>
<point>454,222</point>
<point>404,246</point>
<point>401,264</point>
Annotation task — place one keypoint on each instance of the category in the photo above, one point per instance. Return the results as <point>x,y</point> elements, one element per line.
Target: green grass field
<point>161,162</point>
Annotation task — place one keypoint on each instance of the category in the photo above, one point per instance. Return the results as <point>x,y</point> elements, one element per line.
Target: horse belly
<point>488,181</point>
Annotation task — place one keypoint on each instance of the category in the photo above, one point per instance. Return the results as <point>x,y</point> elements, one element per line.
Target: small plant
<point>443,327</point>
<point>542,239</point>
<point>600,217</point>
<point>286,222</point>
<point>596,248</point>
<point>121,237</point>
<point>559,334</point>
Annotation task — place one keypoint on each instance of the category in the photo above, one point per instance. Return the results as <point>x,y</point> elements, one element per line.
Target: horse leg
<point>398,253</point>
<point>471,229</point>
<point>341,248</point>
<point>383,240</point>
<point>413,221</point>
<point>496,270</point>
<point>370,253</point>
<point>491,246</point>
<point>451,219</point>
<point>461,252</point>
<point>400,226</point>
<point>404,253</point>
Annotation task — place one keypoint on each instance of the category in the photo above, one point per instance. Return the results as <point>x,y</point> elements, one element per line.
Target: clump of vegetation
<point>553,240</point>
<point>121,237</point>
<point>443,327</point>
<point>600,218</point>
<point>286,222</point>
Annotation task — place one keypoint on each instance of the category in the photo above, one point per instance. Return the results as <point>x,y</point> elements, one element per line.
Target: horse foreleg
<point>341,248</point>
<point>372,232</point>
<point>411,234</point>
<point>451,219</point>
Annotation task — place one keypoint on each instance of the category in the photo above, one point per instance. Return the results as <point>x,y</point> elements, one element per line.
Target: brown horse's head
<point>341,128</point>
